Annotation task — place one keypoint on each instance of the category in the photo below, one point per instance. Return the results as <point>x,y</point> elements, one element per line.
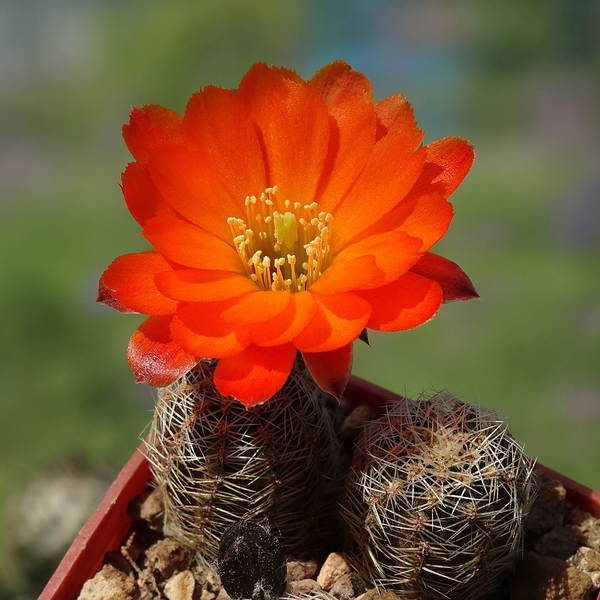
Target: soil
<point>561,560</point>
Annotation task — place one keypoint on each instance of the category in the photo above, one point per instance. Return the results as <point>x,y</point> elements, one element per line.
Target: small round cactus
<point>217,462</point>
<point>436,499</point>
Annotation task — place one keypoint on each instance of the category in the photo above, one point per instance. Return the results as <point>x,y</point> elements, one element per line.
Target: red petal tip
<point>331,370</point>
<point>154,357</point>
<point>256,374</point>
<point>463,289</point>
<point>455,283</point>
<point>364,336</point>
<point>105,296</point>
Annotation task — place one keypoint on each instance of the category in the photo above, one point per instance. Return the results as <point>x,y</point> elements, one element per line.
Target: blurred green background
<point>519,78</point>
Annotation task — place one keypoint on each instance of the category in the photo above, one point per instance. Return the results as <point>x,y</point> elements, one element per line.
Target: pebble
<point>152,510</point>
<point>560,542</point>
<point>590,526</point>
<point>548,578</point>
<point>109,584</point>
<point>181,586</point>
<point>166,557</point>
<point>223,595</point>
<point>301,569</point>
<point>378,594</point>
<point>304,587</point>
<point>588,561</point>
<point>335,565</point>
<point>348,586</point>
<point>547,510</point>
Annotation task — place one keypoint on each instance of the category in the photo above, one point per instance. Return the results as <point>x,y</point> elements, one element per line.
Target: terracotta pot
<point>107,528</point>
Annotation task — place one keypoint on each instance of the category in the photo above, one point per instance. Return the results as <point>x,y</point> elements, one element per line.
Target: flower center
<point>284,249</point>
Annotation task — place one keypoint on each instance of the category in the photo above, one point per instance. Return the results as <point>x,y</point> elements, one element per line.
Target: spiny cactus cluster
<point>218,461</point>
<point>436,499</point>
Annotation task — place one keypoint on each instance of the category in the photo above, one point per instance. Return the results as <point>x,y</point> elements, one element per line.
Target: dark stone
<point>251,563</point>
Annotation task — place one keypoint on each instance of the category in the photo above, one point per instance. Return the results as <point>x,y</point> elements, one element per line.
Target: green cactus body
<point>217,461</point>
<point>436,499</point>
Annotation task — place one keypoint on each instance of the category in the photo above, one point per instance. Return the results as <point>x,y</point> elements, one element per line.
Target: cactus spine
<point>436,499</point>
<point>218,461</point>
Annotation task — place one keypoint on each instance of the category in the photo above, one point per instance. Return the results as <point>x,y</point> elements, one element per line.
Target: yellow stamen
<point>291,236</point>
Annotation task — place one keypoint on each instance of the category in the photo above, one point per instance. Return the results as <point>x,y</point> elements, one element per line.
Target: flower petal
<point>153,355</point>
<point>388,176</point>
<point>338,321</point>
<point>447,164</point>
<point>141,196</point>
<point>428,220</point>
<point>425,217</point>
<point>189,183</point>
<point>256,307</point>
<point>198,285</point>
<point>151,127</point>
<point>394,253</point>
<point>392,112</point>
<point>348,96</point>
<point>199,329</point>
<point>454,282</point>
<point>105,296</point>
<point>294,128</point>
<point>256,374</point>
<point>191,246</point>
<point>217,121</point>
<point>331,370</point>
<point>129,280</point>
<point>405,303</point>
<point>347,275</point>
<point>288,324</point>
<point>424,212</point>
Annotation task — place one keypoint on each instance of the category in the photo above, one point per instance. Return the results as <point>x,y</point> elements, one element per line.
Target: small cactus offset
<point>436,499</point>
<point>217,462</point>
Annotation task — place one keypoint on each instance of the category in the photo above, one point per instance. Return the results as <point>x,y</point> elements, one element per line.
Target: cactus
<point>436,499</point>
<point>217,462</point>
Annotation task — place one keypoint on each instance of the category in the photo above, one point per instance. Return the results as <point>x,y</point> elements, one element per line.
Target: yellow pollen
<point>283,245</point>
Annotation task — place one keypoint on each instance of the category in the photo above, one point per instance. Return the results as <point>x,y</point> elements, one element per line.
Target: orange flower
<point>286,216</point>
